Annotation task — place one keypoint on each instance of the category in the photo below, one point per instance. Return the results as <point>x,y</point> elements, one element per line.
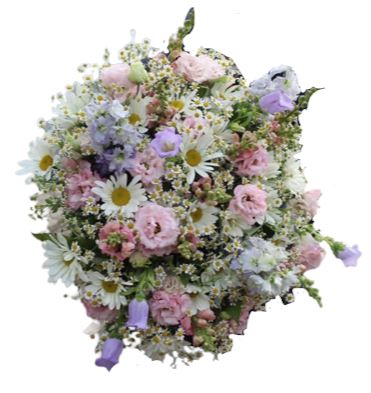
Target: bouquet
<point>174,199</point>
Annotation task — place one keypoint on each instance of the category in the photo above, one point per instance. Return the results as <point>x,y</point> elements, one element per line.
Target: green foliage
<point>246,116</point>
<point>233,311</point>
<point>42,236</point>
<point>176,42</point>
<point>307,284</point>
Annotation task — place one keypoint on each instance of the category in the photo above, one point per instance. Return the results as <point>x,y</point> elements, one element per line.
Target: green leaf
<point>42,236</point>
<point>303,99</point>
<point>234,311</point>
<point>307,284</point>
<point>176,42</point>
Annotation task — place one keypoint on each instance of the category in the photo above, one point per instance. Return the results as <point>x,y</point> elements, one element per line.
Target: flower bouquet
<point>174,199</point>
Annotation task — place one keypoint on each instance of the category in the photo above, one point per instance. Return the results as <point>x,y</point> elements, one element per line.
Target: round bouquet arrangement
<point>174,200</point>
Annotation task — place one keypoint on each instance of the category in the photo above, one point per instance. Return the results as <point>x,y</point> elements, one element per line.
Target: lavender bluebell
<point>166,142</point>
<point>138,314</point>
<point>119,159</point>
<point>277,101</point>
<point>349,255</point>
<point>111,352</point>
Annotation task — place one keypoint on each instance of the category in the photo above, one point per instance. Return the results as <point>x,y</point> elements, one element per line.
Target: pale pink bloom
<point>311,253</point>
<point>252,162</point>
<point>170,308</point>
<point>186,324</point>
<point>240,326</point>
<point>157,228</point>
<point>116,240</point>
<point>208,315</point>
<point>100,313</point>
<point>311,201</point>
<point>195,124</point>
<point>198,68</point>
<point>249,203</point>
<point>149,166</point>
<point>117,75</point>
<point>79,185</point>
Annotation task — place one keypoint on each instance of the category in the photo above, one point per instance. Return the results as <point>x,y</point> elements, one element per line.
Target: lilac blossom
<point>111,352</point>
<point>138,314</point>
<point>166,142</point>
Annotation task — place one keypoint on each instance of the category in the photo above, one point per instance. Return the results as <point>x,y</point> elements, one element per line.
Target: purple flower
<point>166,143</point>
<point>119,158</point>
<point>111,352</point>
<point>275,102</point>
<point>138,314</point>
<point>350,255</point>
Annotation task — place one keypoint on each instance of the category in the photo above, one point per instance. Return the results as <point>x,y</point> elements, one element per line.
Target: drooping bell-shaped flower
<point>350,255</point>
<point>277,101</point>
<point>138,314</point>
<point>111,352</point>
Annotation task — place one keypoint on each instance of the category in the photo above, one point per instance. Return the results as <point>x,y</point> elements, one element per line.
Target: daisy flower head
<point>41,158</point>
<point>203,215</point>
<point>107,289</point>
<point>119,196</point>
<point>197,156</point>
<point>62,261</point>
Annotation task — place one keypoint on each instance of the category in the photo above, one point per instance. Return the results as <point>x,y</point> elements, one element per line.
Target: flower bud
<point>137,73</point>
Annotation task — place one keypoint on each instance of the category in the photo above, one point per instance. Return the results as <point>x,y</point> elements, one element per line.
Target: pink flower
<point>158,229</point>
<point>170,308</point>
<point>149,166</point>
<point>311,201</point>
<point>311,253</point>
<point>249,203</point>
<point>198,68</point>
<point>100,313</point>
<point>240,326</point>
<point>116,240</point>
<point>79,185</point>
<point>195,124</point>
<point>117,75</point>
<point>252,162</point>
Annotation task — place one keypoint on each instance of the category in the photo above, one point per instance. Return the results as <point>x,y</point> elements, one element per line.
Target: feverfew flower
<point>197,157</point>
<point>119,196</point>
<point>63,263</point>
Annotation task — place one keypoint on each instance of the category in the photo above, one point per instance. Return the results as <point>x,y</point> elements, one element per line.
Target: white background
<point>297,348</point>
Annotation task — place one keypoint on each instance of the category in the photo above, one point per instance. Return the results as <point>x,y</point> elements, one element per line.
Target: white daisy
<point>203,215</point>
<point>294,177</point>
<point>196,156</point>
<point>138,111</point>
<point>63,262</point>
<point>42,156</point>
<point>107,289</point>
<point>119,197</point>
<point>183,102</point>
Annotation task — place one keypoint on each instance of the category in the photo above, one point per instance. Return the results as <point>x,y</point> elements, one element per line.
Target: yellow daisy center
<point>109,286</point>
<point>197,215</point>
<point>193,157</point>
<point>134,118</point>
<point>121,196</point>
<point>46,162</point>
<point>177,104</point>
<point>67,263</point>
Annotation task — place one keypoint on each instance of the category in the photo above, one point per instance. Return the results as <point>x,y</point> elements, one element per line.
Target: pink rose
<point>249,203</point>
<point>149,166</point>
<point>252,162</point>
<point>158,229</point>
<point>198,68</point>
<point>311,201</point>
<point>79,185</point>
<point>117,75</point>
<point>170,308</point>
<point>116,240</point>
<point>100,313</point>
<point>311,253</point>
